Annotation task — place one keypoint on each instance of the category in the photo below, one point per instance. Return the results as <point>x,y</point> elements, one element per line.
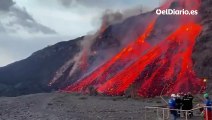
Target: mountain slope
<point>31,75</point>
<point>202,53</point>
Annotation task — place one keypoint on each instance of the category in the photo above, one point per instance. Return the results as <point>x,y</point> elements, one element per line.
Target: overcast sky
<point>29,25</point>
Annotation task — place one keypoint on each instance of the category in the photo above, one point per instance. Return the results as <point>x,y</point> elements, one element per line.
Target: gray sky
<point>29,25</point>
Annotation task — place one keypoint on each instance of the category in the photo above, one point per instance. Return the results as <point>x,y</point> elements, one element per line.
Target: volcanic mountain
<point>145,54</point>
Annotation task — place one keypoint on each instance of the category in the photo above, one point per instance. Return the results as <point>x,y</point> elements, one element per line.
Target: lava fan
<point>151,69</point>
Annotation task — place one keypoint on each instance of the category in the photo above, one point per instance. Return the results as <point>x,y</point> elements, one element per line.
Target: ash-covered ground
<point>64,106</point>
<point>60,106</point>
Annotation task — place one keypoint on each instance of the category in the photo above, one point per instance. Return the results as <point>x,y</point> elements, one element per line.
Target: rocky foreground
<point>57,106</point>
<point>64,106</point>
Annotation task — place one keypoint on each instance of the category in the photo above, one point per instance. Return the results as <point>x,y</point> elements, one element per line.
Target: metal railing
<point>166,112</point>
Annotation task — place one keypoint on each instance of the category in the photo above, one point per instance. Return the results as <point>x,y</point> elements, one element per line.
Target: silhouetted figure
<point>185,103</point>
<point>178,101</point>
<point>190,105</point>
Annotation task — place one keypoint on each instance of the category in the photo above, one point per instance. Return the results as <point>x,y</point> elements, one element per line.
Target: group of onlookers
<point>179,103</point>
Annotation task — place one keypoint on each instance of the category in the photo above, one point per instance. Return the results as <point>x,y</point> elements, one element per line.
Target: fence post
<point>163,114</point>
<point>206,113</point>
<point>168,111</point>
<point>145,113</point>
<point>186,115</point>
<point>157,113</point>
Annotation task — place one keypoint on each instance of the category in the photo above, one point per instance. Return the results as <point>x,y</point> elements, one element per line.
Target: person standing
<point>172,105</point>
<point>178,104</point>
<point>207,111</point>
<point>190,105</point>
<point>185,103</point>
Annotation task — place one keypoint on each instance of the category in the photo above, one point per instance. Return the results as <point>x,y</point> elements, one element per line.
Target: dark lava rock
<point>202,53</point>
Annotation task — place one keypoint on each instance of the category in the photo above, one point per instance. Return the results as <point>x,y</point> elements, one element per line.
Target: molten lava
<point>152,69</point>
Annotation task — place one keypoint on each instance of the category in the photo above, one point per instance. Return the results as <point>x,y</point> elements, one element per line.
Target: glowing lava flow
<point>173,53</point>
<point>127,53</point>
<point>174,65</point>
<point>165,67</point>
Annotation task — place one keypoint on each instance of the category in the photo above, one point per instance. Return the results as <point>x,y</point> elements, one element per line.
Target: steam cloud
<point>108,18</point>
